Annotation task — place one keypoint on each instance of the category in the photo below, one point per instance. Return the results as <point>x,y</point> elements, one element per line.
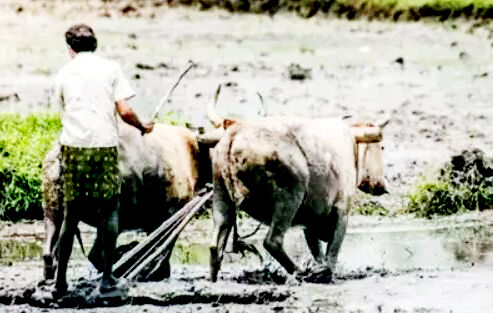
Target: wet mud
<point>84,294</point>
<point>392,263</point>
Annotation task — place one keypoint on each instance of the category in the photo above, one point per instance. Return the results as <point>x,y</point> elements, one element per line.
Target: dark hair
<point>81,38</point>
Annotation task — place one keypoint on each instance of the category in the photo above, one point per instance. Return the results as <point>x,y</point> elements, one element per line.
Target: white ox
<point>293,171</point>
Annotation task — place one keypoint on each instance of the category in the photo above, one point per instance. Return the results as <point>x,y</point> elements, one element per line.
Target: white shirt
<point>87,89</point>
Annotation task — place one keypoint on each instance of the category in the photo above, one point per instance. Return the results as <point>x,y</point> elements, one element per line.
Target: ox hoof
<point>317,276</point>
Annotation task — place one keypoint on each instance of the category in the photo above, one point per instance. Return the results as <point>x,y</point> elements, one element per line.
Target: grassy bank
<point>380,9</point>
<point>464,184</point>
<point>24,141</point>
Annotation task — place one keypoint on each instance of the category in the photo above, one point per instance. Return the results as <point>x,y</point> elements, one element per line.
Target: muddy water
<point>392,245</point>
<point>381,261</point>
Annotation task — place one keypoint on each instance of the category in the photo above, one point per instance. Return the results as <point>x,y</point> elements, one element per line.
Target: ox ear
<point>228,123</point>
<point>383,123</point>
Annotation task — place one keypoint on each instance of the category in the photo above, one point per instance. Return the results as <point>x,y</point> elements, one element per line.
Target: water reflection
<point>442,247</point>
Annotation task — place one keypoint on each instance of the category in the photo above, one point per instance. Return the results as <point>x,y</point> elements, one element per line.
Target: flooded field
<point>434,81</point>
<point>386,264</point>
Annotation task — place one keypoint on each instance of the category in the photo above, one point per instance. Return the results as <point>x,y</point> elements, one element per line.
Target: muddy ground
<point>434,81</point>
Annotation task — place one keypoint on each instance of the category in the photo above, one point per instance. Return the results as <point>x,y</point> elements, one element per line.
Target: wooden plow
<point>146,257</point>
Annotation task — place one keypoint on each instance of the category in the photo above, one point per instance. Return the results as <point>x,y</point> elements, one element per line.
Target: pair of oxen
<point>282,171</point>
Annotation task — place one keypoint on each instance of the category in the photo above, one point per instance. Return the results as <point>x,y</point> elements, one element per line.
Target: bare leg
<point>108,230</point>
<point>52,234</point>
<point>69,225</point>
<point>224,216</point>
<point>96,254</point>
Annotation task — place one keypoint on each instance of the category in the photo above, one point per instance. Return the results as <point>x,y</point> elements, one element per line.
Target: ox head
<point>369,155</point>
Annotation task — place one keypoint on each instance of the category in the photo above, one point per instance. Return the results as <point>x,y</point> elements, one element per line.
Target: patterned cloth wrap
<point>90,173</point>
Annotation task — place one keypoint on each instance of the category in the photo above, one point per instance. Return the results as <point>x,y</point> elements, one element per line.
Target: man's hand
<point>146,128</point>
<point>128,116</point>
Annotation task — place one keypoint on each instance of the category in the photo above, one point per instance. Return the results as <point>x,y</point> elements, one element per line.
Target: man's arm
<point>128,116</point>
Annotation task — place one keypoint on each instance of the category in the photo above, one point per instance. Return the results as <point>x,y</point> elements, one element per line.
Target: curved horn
<point>215,119</point>
<point>262,111</point>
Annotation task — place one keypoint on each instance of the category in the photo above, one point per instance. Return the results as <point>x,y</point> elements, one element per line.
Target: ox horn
<point>383,123</point>
<point>214,118</point>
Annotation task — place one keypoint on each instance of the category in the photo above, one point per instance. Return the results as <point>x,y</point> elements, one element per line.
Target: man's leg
<point>67,233</point>
<point>108,230</point>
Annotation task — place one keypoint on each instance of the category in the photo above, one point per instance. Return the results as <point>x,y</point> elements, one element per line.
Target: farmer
<point>91,90</point>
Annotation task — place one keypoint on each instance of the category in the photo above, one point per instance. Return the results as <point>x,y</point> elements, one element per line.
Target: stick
<point>168,95</point>
<point>172,237</point>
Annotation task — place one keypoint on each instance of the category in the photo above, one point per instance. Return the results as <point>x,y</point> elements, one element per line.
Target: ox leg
<point>314,244</point>
<point>337,231</point>
<point>52,231</point>
<point>286,206</point>
<point>224,216</point>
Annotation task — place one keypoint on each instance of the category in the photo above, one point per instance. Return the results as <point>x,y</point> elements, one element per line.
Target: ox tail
<point>239,246</point>
<point>79,239</point>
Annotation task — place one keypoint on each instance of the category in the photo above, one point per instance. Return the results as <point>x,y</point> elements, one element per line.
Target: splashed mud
<point>387,263</point>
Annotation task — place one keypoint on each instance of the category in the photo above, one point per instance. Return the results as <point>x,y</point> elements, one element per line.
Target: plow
<point>146,257</point>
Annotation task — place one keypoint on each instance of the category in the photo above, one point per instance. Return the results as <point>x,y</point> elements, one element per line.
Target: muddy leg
<point>314,244</point>
<point>224,216</point>
<point>339,220</point>
<point>96,254</point>
<point>52,234</point>
<point>286,206</point>
<point>108,232</point>
<point>65,244</point>
<point>236,239</point>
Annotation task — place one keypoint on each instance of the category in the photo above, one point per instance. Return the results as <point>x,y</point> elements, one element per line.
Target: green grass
<point>392,9</point>
<point>24,141</point>
<point>464,184</point>
<point>371,208</point>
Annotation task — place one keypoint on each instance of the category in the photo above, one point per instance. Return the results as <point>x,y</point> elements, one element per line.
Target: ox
<point>159,175</point>
<point>293,171</point>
